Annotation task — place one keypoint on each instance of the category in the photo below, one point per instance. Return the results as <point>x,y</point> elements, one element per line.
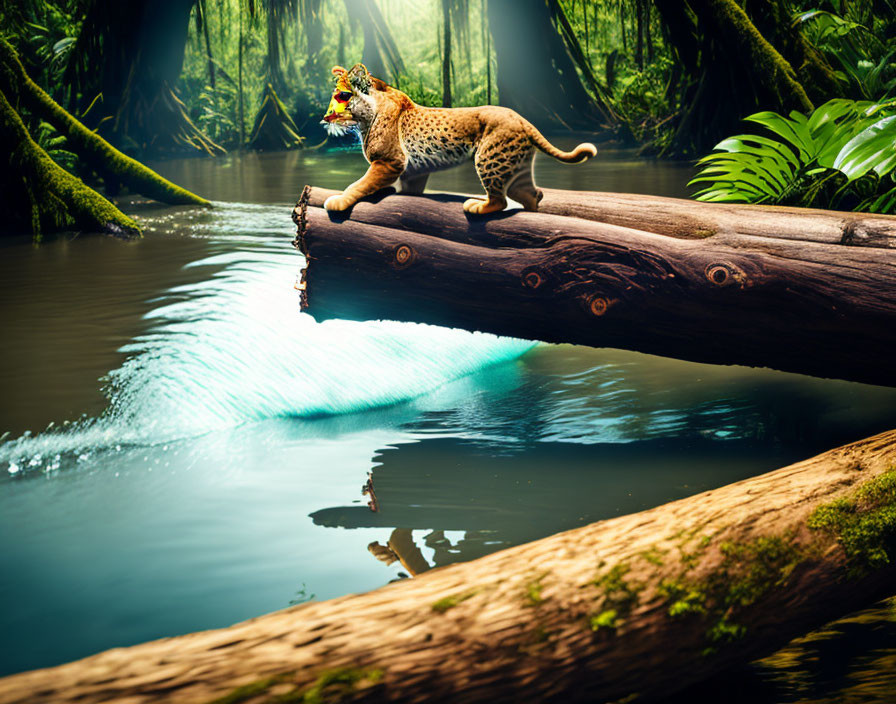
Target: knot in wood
<point>404,255</point>
<point>598,305</point>
<point>723,274</point>
<point>532,279</point>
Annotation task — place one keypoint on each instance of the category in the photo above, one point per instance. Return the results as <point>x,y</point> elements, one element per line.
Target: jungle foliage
<point>670,76</point>
<point>842,155</point>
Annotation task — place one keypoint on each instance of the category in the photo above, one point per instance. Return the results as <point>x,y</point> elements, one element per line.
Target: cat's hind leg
<point>494,170</point>
<point>522,186</point>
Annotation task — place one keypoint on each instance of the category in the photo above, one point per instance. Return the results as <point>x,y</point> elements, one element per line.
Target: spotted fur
<point>405,141</point>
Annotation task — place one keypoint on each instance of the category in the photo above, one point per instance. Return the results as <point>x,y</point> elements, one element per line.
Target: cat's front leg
<point>380,175</point>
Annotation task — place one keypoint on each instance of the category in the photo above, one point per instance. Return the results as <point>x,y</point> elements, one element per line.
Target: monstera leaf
<point>844,152</point>
<point>872,148</point>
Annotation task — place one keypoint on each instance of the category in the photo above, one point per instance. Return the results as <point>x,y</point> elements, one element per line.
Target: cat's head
<point>354,99</point>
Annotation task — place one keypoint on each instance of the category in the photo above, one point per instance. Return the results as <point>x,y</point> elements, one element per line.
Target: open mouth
<point>338,127</point>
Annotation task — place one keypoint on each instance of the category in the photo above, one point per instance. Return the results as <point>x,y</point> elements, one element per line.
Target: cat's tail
<point>584,151</point>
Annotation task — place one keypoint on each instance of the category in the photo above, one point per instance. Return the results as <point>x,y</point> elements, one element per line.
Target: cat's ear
<point>339,71</point>
<point>359,78</point>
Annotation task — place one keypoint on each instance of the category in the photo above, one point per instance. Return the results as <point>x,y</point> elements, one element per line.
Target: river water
<point>185,449</point>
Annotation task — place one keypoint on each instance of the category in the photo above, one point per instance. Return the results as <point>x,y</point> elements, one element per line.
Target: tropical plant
<point>867,62</point>
<point>843,155</point>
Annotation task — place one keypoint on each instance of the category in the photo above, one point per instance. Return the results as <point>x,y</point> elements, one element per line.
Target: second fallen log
<point>822,309</point>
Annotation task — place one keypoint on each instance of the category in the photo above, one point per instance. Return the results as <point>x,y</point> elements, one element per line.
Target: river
<point>185,449</point>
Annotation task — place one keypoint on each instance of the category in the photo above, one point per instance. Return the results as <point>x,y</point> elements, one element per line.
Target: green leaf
<point>874,148</point>
<point>794,131</point>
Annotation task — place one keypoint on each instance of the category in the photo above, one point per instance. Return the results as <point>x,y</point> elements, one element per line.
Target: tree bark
<point>132,54</point>
<point>687,219</point>
<point>95,150</point>
<point>535,74</point>
<point>40,196</point>
<point>728,298</point>
<point>446,54</point>
<point>634,607</point>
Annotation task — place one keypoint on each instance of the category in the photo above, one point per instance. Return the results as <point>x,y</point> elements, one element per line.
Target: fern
<point>842,155</point>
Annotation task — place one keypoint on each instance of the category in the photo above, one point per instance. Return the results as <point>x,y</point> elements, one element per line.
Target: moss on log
<point>101,155</point>
<point>55,197</point>
<point>634,607</point>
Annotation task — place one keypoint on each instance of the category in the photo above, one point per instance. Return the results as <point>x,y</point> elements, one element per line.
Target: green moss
<point>754,567</point>
<point>622,593</point>
<point>654,556</point>
<point>57,199</point>
<point>864,523</point>
<point>248,691</point>
<point>608,619</point>
<point>533,591</point>
<point>617,597</point>
<point>683,600</point>
<point>748,570</point>
<point>449,602</point>
<point>89,145</point>
<point>333,685</point>
<point>330,687</point>
<point>724,631</point>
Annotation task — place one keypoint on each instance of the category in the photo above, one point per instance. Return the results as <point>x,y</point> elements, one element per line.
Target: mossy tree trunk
<point>93,149</point>
<point>40,196</point>
<point>631,608</point>
<point>772,18</point>
<point>731,71</point>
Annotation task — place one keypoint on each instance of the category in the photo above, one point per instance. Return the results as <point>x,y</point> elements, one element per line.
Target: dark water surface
<point>209,443</point>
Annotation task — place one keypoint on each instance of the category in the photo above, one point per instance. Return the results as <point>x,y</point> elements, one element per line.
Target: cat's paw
<point>478,206</point>
<point>472,205</point>
<point>338,202</point>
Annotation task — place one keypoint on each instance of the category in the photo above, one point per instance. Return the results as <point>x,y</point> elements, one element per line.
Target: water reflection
<point>529,491</point>
<point>185,505</point>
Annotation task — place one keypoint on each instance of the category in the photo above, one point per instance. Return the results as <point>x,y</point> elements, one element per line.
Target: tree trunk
<point>535,74</point>
<point>446,54</point>
<point>772,18</point>
<point>132,54</point>
<point>728,298</point>
<point>95,150</point>
<point>633,608</point>
<point>40,196</point>
<point>241,114</point>
<point>639,22</point>
<point>724,54</point>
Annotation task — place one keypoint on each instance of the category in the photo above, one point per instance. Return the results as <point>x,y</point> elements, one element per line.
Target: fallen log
<point>634,607</point>
<point>688,219</point>
<point>802,306</point>
<point>677,217</point>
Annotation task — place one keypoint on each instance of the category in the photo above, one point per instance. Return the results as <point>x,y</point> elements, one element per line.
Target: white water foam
<point>235,349</point>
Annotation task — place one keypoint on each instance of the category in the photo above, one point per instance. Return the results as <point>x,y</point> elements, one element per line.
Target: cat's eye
<point>343,96</point>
